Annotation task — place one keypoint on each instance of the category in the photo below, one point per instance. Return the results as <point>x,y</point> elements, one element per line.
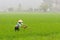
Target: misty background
<point>30,5</point>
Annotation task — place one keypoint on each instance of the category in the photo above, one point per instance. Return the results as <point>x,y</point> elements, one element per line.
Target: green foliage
<point>40,26</point>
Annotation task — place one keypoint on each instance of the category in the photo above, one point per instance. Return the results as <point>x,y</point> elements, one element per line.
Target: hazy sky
<point>14,3</point>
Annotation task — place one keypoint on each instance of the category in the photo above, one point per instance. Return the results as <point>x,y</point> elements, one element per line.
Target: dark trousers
<point>16,28</point>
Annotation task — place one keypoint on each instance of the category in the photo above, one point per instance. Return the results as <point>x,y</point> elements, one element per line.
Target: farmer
<point>19,24</point>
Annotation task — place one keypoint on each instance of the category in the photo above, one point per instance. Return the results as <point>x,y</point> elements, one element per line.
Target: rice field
<point>41,26</point>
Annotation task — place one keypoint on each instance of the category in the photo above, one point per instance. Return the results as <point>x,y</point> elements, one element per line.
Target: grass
<point>41,26</point>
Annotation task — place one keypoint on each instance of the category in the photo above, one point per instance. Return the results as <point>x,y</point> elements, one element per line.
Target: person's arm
<point>22,23</point>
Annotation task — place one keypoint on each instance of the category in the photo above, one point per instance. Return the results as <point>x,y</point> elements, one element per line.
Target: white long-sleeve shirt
<point>19,24</point>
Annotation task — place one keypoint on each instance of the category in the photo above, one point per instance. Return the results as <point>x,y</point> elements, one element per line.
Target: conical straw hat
<point>20,20</point>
